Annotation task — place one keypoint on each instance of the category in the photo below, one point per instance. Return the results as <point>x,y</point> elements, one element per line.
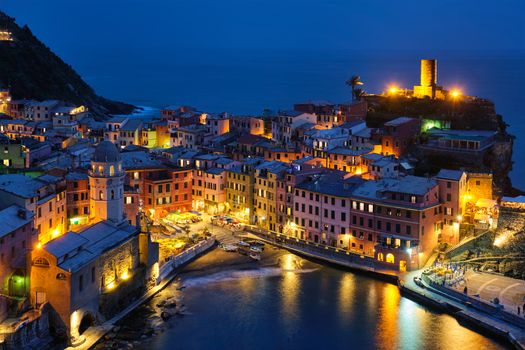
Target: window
<point>40,262</point>
<point>413,199</point>
<point>449,197</point>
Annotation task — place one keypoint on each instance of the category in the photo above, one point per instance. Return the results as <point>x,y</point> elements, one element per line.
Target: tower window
<point>101,195</point>
<point>112,170</point>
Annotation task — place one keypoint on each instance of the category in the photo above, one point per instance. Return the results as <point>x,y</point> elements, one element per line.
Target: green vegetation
<point>31,70</point>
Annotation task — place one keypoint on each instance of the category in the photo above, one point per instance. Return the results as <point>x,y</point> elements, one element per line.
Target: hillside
<point>31,70</point>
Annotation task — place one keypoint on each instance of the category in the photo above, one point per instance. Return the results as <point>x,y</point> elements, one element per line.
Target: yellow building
<point>265,194</point>
<point>240,181</point>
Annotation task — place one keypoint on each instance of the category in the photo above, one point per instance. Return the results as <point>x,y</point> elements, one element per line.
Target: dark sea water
<point>297,304</point>
<point>249,81</point>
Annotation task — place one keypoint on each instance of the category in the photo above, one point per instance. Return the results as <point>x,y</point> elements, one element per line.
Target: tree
<point>353,82</point>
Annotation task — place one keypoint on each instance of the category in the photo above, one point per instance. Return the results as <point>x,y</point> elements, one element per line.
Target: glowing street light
<point>455,93</point>
<point>393,90</point>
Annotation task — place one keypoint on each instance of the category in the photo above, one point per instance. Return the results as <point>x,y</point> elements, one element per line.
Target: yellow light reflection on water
<point>387,337</point>
<point>290,287</point>
<point>346,296</point>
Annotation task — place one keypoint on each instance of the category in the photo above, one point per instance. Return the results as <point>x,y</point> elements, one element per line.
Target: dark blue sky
<point>71,26</point>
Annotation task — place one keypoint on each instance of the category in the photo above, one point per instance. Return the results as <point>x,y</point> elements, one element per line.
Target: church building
<point>90,275</point>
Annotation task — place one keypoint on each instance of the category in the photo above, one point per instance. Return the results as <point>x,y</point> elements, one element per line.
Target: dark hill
<point>31,70</point>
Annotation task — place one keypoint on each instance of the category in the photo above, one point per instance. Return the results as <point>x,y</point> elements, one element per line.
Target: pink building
<point>394,221</point>
<point>452,192</point>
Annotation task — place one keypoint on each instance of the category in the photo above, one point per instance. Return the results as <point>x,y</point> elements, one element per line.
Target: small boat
<point>255,256</point>
<point>229,247</point>
<point>243,244</point>
<point>255,249</point>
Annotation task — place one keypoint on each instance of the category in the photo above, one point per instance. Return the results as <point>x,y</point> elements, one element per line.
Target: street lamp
<point>393,90</point>
<point>455,93</point>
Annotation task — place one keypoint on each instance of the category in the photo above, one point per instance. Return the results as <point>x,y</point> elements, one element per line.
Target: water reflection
<point>387,336</point>
<point>290,288</point>
<point>346,296</point>
<point>411,320</point>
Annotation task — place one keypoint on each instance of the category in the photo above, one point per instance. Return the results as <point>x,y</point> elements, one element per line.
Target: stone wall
<point>115,301</point>
<point>35,333</point>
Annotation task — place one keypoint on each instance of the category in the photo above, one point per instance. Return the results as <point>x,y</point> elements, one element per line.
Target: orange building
<point>77,199</point>
<point>398,134</point>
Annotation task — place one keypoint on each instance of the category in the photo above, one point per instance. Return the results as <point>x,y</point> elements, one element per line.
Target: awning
<point>481,217</point>
<point>486,203</point>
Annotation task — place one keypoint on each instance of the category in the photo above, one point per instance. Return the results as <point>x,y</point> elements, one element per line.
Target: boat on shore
<point>255,256</point>
<point>256,249</point>
<point>229,247</point>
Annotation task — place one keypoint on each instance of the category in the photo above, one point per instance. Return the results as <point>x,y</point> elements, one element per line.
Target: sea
<point>227,301</point>
<point>249,81</point>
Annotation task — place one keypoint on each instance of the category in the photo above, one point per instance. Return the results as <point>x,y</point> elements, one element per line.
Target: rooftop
<point>131,125</point>
<point>448,174</point>
<point>470,135</point>
<point>399,121</point>
<point>20,185</point>
<point>331,183</point>
<point>215,171</point>
<point>411,185</point>
<point>348,151</point>
<point>106,152</point>
<point>76,176</point>
<point>139,160</point>
<point>89,244</point>
<point>12,219</point>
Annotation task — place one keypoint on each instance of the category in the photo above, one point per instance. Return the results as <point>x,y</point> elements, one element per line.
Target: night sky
<point>71,27</point>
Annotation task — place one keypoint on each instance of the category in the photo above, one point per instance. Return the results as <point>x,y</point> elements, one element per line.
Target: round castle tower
<point>106,184</point>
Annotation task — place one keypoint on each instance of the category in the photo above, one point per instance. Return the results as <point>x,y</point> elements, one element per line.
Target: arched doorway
<point>86,322</point>
<point>390,258</point>
<point>17,283</point>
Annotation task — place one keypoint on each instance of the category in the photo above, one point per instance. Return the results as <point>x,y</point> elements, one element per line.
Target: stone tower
<point>428,73</point>
<point>428,81</point>
<point>106,184</point>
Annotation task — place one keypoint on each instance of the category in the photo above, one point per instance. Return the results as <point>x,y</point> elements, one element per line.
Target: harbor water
<point>227,301</point>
